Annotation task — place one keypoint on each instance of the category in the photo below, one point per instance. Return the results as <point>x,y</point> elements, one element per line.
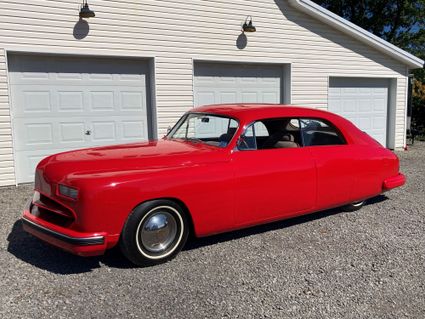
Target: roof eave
<point>357,32</point>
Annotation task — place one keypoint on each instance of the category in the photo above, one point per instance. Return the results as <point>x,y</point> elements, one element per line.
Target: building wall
<point>7,171</point>
<point>176,32</point>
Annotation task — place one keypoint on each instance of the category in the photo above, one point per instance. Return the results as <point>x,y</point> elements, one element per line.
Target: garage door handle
<point>88,132</point>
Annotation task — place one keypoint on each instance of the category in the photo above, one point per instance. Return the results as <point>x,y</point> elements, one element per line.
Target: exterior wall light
<point>85,11</point>
<point>247,26</point>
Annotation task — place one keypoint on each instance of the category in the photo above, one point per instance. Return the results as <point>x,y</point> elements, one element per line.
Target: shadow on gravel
<point>39,254</point>
<point>195,243</point>
<point>33,251</point>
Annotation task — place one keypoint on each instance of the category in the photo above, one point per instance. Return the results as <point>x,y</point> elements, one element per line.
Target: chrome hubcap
<point>158,232</point>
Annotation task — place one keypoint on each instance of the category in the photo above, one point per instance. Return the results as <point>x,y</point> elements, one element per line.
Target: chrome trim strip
<point>83,241</point>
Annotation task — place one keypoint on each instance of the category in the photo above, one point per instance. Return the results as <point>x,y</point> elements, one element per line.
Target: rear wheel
<point>154,233</point>
<point>354,206</point>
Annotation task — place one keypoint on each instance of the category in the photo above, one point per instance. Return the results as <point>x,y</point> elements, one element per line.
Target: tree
<point>399,22</point>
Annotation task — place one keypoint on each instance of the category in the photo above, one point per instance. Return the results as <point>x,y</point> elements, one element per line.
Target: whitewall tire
<point>155,232</point>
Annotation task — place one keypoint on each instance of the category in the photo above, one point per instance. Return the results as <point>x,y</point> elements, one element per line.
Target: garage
<point>61,103</point>
<point>101,81</point>
<point>233,83</point>
<point>362,101</point>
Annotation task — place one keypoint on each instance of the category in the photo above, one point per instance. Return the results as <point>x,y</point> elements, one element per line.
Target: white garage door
<point>237,83</point>
<point>362,101</point>
<point>63,103</point>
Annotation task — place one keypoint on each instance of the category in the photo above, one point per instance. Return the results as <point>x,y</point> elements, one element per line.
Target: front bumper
<point>83,244</point>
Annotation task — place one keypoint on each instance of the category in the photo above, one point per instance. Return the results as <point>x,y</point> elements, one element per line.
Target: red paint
<point>222,188</point>
<point>395,181</point>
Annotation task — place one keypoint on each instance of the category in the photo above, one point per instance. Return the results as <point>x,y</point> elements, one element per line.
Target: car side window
<point>316,132</point>
<point>247,139</point>
<point>271,133</point>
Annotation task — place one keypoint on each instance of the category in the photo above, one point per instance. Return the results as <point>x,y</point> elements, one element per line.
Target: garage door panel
<point>249,97</point>
<point>63,103</point>
<point>133,101</point>
<point>363,123</point>
<point>349,106</point>
<point>72,132</point>
<point>247,80</point>
<point>39,133</point>
<point>36,101</point>
<point>102,101</point>
<point>76,82</point>
<point>363,106</point>
<point>237,83</point>
<point>28,160</point>
<point>228,97</point>
<point>379,123</point>
<point>28,77</point>
<point>70,101</point>
<point>66,80</point>
<point>43,102</point>
<point>32,133</point>
<point>103,131</point>
<point>270,97</point>
<point>379,105</point>
<point>362,101</point>
<point>203,98</point>
<point>42,133</point>
<point>133,129</point>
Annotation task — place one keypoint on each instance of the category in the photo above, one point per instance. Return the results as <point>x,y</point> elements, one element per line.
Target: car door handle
<point>88,132</point>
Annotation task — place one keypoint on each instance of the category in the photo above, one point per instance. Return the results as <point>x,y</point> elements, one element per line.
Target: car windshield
<point>205,128</point>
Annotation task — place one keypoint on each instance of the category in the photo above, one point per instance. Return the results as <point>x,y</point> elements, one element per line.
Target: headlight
<point>68,191</point>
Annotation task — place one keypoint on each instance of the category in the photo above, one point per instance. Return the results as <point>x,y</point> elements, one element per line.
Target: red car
<point>221,168</point>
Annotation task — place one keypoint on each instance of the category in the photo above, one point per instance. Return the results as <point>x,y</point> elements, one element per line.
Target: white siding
<point>7,171</point>
<point>177,31</point>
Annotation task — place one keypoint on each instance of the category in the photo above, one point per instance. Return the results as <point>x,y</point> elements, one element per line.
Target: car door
<point>272,183</point>
<point>335,161</point>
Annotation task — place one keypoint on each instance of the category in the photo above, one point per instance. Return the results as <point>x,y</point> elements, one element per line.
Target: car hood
<point>135,157</point>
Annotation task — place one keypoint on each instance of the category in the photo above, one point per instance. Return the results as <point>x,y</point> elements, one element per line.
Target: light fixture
<point>85,11</point>
<point>247,26</point>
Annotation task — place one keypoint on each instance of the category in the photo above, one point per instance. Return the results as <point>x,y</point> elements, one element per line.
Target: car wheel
<point>154,233</point>
<point>354,206</point>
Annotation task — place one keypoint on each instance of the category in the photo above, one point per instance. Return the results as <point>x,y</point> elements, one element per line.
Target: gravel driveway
<point>367,264</point>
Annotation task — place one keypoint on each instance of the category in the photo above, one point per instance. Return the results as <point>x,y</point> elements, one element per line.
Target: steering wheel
<point>243,143</point>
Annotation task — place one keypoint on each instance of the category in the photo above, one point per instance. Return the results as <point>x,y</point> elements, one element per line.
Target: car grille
<point>51,211</point>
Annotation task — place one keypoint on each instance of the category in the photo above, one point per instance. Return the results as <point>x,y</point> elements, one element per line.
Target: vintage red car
<point>221,168</point>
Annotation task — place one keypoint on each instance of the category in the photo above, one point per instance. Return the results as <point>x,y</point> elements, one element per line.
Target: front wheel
<point>154,233</point>
<point>354,206</point>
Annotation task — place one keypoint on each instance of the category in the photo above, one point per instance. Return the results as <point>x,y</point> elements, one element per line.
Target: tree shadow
<point>41,255</point>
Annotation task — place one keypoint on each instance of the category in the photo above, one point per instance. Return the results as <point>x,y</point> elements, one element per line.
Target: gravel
<point>367,264</point>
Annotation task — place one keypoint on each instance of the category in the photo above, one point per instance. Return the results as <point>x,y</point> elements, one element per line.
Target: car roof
<point>255,111</point>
